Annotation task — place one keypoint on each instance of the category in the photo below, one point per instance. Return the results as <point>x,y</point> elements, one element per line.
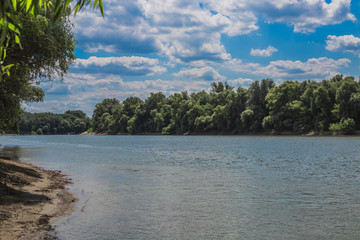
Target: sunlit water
<point>204,187</point>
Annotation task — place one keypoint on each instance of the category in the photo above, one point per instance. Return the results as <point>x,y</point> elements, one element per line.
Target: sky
<point>168,46</point>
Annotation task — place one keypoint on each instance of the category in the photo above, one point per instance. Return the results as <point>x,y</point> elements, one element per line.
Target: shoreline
<point>209,133</point>
<point>234,133</point>
<point>31,200</point>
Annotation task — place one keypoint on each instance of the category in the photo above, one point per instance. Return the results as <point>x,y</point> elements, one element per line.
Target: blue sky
<point>145,46</point>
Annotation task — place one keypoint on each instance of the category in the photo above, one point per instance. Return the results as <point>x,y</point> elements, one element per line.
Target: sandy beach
<point>31,200</point>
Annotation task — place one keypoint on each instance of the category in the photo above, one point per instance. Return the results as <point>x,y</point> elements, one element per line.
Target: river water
<point>204,187</point>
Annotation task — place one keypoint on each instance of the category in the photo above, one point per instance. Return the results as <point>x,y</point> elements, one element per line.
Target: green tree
<point>11,24</point>
<point>322,102</point>
<point>137,122</point>
<point>292,106</point>
<point>179,107</point>
<point>51,123</point>
<point>106,106</point>
<point>47,51</point>
<point>196,110</point>
<point>153,102</point>
<point>348,88</point>
<point>344,126</point>
<point>257,102</point>
<point>280,104</point>
<point>79,126</point>
<point>247,117</point>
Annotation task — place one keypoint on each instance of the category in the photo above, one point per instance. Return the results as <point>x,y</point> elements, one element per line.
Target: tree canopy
<point>50,123</point>
<point>47,51</point>
<point>299,107</point>
<point>11,24</point>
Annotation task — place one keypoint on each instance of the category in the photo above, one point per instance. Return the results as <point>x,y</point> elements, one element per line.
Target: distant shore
<point>31,200</point>
<point>213,133</point>
<point>237,133</point>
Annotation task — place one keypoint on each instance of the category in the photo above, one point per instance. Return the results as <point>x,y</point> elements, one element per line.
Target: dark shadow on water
<point>11,152</point>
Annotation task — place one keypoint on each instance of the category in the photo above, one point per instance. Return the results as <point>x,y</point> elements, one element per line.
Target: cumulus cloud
<point>267,52</point>
<point>304,15</point>
<point>123,30</point>
<point>314,68</point>
<point>119,65</point>
<point>241,82</point>
<point>188,31</point>
<point>84,91</point>
<point>205,73</point>
<point>184,32</point>
<point>346,43</point>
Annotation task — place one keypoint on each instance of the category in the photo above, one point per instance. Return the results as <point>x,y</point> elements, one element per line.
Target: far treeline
<point>299,107</point>
<point>49,123</point>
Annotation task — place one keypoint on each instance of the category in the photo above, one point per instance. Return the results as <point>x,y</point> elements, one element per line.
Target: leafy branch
<point>11,27</point>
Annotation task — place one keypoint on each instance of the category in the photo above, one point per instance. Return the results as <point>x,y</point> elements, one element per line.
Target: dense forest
<point>299,107</point>
<point>70,122</point>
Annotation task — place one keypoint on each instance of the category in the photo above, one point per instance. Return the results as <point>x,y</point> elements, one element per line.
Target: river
<point>204,187</point>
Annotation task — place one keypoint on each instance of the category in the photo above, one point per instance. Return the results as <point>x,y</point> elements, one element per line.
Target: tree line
<point>70,122</point>
<point>299,107</point>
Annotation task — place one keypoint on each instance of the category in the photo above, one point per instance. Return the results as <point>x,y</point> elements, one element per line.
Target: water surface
<point>204,187</point>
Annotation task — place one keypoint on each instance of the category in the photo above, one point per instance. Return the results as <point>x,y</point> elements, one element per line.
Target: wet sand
<point>31,200</point>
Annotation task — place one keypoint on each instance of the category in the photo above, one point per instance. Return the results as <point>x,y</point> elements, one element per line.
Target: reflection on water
<point>11,152</point>
<point>173,187</point>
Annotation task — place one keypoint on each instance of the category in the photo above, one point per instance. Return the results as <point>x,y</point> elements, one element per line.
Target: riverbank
<point>236,133</point>
<point>31,200</point>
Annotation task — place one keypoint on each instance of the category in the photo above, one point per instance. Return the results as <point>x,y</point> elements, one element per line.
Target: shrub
<point>344,126</point>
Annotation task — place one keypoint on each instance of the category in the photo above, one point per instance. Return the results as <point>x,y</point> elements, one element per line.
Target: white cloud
<point>120,65</point>
<point>304,15</point>
<point>241,82</point>
<point>205,73</point>
<point>189,32</point>
<point>267,52</point>
<point>313,69</point>
<point>346,43</point>
<point>84,91</point>
<point>182,31</point>
<point>123,30</point>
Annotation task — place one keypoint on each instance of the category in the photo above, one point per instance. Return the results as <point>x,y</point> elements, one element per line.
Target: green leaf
<point>14,28</point>
<point>11,27</point>
<point>1,54</point>
<point>32,11</point>
<point>95,4</point>
<point>58,10</point>
<point>14,3</point>
<point>101,7</point>
<point>77,7</point>
<point>28,4</point>
<point>67,3</point>
<point>9,66</point>
<point>17,39</point>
